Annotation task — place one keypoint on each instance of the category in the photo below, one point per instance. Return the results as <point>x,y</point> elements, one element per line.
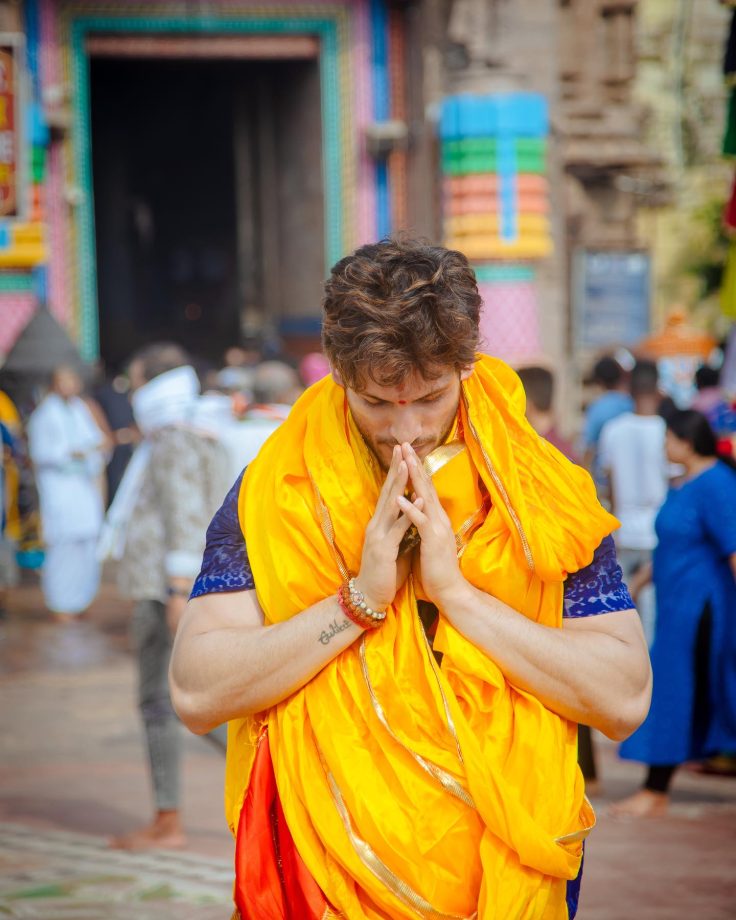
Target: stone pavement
<point>69,876</point>
<point>72,774</point>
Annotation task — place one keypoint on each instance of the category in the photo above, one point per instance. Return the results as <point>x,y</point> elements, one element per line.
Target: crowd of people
<point>668,475</point>
<point>110,465</point>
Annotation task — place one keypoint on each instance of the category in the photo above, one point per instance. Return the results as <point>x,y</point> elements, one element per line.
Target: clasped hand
<point>382,571</point>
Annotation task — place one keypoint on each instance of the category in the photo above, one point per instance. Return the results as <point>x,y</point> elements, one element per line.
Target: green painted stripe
<point>503,272</point>
<point>485,146</point>
<point>466,164</point>
<point>333,117</point>
<point>16,283</point>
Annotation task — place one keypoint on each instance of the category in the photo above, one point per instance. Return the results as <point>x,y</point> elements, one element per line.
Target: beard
<point>382,449</point>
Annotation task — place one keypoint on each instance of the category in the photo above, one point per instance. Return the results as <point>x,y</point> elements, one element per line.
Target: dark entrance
<point>191,163</point>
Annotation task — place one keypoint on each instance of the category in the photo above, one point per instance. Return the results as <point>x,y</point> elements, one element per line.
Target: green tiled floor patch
<point>45,874</point>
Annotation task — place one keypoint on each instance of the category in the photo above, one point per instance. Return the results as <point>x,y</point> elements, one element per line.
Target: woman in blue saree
<point>693,711</point>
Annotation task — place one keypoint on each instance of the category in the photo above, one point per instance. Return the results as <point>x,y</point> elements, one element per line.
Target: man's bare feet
<point>165,833</point>
<point>65,619</point>
<point>643,804</point>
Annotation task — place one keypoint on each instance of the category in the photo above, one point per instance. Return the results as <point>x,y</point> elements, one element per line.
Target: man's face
<point>67,382</point>
<point>419,412</point>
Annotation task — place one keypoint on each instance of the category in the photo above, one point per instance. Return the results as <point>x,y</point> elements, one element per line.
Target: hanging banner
<point>9,192</point>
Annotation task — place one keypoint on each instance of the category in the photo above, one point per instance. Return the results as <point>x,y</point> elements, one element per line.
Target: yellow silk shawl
<point>413,789</point>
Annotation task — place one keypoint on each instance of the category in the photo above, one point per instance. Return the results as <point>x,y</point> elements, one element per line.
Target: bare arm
<point>595,670</point>
<point>226,663</point>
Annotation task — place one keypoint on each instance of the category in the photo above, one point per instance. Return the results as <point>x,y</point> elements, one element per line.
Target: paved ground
<point>72,774</point>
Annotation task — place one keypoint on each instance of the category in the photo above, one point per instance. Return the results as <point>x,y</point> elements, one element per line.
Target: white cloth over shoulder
<point>168,399</point>
<point>66,448</point>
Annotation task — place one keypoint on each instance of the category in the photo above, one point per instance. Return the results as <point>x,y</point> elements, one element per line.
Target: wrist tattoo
<point>334,629</point>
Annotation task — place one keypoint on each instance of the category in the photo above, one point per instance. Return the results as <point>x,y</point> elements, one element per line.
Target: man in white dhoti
<point>66,448</point>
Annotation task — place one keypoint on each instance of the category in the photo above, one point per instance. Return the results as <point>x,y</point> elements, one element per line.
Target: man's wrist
<point>455,597</point>
<point>371,601</point>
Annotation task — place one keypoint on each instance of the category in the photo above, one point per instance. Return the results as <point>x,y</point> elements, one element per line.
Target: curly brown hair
<point>398,307</point>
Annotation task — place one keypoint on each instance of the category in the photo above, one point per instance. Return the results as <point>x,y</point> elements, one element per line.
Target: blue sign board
<point>611,297</point>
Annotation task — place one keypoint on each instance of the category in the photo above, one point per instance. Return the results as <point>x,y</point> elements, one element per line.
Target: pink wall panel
<point>509,324</point>
<point>15,312</point>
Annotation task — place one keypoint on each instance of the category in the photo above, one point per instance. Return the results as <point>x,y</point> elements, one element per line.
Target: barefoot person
<point>380,617</point>
<point>155,527</point>
<point>693,710</point>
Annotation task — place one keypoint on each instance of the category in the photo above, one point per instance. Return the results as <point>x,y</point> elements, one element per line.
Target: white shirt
<point>632,451</point>
<point>242,438</point>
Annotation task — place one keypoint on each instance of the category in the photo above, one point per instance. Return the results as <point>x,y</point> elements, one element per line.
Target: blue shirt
<point>602,410</point>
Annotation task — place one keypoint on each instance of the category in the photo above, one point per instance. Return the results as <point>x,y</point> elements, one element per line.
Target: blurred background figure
<point>631,454</point>
<point>156,528</point>
<point>10,432</point>
<point>539,383</point>
<point>241,420</point>
<point>67,450</point>
<point>247,355</point>
<point>113,397</point>
<point>539,386</point>
<point>238,382</point>
<point>10,417</point>
<point>8,567</point>
<point>609,376</point>
<point>711,401</point>
<point>276,387</point>
<point>693,712</point>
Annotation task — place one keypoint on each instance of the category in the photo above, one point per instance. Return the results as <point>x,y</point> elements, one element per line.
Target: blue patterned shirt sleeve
<point>225,565</point>
<point>599,587</point>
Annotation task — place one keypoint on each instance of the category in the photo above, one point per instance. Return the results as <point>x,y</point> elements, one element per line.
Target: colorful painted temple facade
<point>191,170</point>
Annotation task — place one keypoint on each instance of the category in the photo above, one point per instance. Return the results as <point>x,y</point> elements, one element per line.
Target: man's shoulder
<point>45,411</point>
<point>611,404</point>
<point>717,482</point>
<point>648,428</point>
<point>177,444</point>
<point>618,426</point>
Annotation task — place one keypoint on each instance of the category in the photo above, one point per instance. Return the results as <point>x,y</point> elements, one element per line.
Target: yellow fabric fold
<point>413,789</point>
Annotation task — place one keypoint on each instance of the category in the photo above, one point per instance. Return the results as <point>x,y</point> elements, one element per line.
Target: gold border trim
<point>328,530</point>
<point>500,486</point>
<point>577,836</point>
<point>397,886</point>
<point>448,783</point>
<point>441,456</point>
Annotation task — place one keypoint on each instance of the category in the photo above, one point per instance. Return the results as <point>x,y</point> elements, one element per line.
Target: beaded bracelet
<point>353,605</point>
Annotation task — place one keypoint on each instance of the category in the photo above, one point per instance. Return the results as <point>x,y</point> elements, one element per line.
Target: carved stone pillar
<point>599,122</point>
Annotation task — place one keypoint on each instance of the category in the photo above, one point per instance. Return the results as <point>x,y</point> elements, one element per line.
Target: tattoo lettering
<point>335,628</point>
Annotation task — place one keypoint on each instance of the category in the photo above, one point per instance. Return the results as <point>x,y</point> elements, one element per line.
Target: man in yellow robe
<point>393,617</point>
